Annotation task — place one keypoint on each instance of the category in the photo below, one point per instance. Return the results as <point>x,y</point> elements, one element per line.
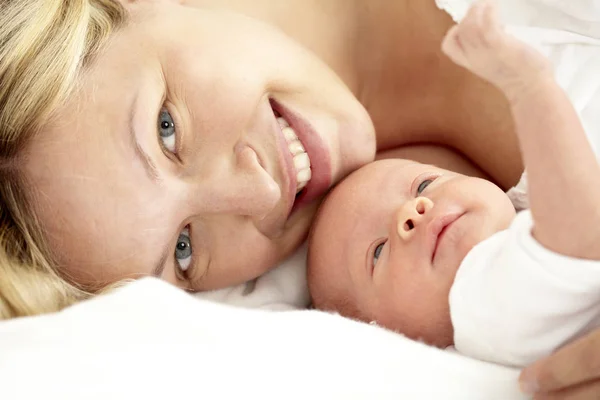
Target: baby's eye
<point>183,251</point>
<point>377,252</point>
<point>423,185</point>
<point>166,130</point>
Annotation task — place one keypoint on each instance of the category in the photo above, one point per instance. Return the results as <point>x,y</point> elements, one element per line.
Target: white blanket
<point>150,340</point>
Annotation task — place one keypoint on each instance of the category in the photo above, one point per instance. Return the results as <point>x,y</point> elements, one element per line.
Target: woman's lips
<point>317,152</point>
<point>439,228</point>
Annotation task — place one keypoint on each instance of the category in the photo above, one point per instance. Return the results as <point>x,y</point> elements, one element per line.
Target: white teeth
<point>299,154</point>
<point>289,134</point>
<point>304,176</point>
<point>301,186</point>
<point>296,147</point>
<point>301,161</point>
<point>282,123</point>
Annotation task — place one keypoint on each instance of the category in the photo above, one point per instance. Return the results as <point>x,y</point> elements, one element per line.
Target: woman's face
<point>169,158</point>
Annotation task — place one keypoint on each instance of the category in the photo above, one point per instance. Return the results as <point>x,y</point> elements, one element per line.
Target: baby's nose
<point>410,215</point>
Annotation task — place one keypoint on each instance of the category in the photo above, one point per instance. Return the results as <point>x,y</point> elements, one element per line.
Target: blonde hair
<point>44,45</point>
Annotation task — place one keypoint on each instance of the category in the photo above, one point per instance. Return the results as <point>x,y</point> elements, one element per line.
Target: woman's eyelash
<point>167,131</point>
<point>183,253</point>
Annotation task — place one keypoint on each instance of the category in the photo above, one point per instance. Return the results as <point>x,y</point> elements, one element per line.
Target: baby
<point>443,257</point>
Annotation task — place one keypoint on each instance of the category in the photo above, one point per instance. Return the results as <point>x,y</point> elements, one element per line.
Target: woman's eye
<point>424,185</point>
<point>183,251</point>
<point>377,252</point>
<point>166,130</point>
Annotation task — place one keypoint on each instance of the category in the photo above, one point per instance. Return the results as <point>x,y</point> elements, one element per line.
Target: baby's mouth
<point>443,225</point>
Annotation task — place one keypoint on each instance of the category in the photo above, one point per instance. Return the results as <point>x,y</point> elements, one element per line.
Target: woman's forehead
<point>93,196</point>
<point>102,226</point>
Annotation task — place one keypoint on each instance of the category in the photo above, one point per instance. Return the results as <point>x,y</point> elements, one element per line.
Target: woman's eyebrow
<point>142,155</point>
<point>151,170</point>
<point>159,268</point>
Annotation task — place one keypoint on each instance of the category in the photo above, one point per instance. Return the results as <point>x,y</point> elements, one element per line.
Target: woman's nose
<point>410,215</point>
<point>239,186</point>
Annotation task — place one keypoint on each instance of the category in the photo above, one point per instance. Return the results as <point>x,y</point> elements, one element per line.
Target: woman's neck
<point>403,74</point>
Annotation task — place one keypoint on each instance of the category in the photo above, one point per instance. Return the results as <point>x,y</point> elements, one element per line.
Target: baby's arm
<point>563,172</point>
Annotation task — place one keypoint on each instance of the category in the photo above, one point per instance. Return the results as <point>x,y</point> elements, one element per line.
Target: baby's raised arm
<point>563,173</point>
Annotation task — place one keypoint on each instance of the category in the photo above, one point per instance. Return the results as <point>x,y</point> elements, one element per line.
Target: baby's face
<point>393,235</point>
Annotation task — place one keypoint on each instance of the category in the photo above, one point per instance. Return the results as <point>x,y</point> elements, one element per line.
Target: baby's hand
<point>480,44</point>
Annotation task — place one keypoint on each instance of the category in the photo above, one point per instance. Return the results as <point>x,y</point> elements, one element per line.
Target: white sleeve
<point>513,301</point>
